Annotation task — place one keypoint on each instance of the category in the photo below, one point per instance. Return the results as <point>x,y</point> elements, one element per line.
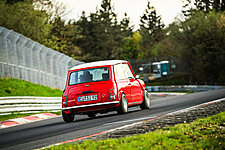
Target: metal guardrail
<point>183,88</point>
<point>25,104</point>
<point>29,104</point>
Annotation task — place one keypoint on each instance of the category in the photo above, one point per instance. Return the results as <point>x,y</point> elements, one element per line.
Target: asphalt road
<point>51,131</point>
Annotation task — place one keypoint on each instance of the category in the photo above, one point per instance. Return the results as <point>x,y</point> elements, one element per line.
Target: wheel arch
<point>119,96</point>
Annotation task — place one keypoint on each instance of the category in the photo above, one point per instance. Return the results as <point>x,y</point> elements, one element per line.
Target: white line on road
<point>132,120</point>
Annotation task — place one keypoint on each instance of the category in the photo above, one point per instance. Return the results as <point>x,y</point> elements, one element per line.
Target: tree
<point>22,17</point>
<point>131,47</point>
<point>199,40</point>
<point>125,27</point>
<point>122,33</point>
<point>151,29</point>
<point>101,36</point>
<point>203,5</point>
<point>61,36</point>
<point>96,33</point>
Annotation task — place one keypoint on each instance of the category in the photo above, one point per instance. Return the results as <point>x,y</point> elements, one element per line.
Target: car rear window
<point>89,75</point>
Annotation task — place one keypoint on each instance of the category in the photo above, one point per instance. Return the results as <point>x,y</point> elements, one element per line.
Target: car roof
<point>98,63</point>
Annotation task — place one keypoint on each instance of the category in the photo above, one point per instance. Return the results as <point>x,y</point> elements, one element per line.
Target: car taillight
<point>64,100</point>
<point>112,94</point>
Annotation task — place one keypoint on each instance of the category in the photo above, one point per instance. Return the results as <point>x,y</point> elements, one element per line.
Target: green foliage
<point>100,36</point>
<point>202,134</point>
<point>196,44</point>
<point>131,47</point>
<point>151,29</point>
<point>23,18</point>
<point>203,5</point>
<point>61,36</point>
<point>16,87</point>
<point>200,42</point>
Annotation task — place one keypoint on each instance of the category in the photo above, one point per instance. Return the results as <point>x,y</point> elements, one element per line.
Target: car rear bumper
<point>90,105</point>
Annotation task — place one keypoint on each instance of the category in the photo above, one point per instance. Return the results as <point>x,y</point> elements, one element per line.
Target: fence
<point>32,104</point>
<point>183,88</point>
<point>22,58</point>
<point>29,104</point>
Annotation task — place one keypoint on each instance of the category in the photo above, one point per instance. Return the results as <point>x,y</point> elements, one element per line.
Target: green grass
<point>13,116</point>
<point>208,133</point>
<point>18,115</point>
<point>16,87</point>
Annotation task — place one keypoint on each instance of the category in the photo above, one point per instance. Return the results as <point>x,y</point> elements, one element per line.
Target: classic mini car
<point>100,87</point>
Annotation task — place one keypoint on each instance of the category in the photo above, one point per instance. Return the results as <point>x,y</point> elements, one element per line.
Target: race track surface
<point>51,131</point>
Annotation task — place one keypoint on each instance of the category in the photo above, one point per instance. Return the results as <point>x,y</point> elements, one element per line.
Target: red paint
<point>85,137</point>
<point>31,118</point>
<point>101,82</point>
<point>81,138</point>
<point>49,114</point>
<point>9,123</point>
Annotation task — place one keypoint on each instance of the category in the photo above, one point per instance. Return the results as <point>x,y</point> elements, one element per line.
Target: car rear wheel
<point>123,107</point>
<point>67,117</point>
<point>146,101</point>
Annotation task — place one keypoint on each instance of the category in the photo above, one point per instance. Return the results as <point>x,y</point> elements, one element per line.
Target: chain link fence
<point>22,58</point>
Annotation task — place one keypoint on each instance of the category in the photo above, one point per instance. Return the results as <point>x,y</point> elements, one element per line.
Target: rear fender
<point>142,84</point>
<point>119,96</point>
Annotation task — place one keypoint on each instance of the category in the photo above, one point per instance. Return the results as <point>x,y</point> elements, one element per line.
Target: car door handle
<point>129,83</point>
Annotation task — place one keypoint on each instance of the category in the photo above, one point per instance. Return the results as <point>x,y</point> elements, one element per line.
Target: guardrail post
<point>44,73</point>
<point>51,65</point>
<point>65,70</point>
<point>1,52</point>
<point>6,55</point>
<point>37,50</point>
<point>15,68</point>
<point>22,42</point>
<point>58,73</point>
<point>29,60</point>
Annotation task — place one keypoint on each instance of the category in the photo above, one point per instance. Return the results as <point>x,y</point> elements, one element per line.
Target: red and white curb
<point>27,119</point>
<point>134,124</point>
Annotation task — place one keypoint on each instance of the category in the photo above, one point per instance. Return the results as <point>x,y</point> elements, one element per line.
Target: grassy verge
<point>208,133</point>
<point>18,115</point>
<point>16,87</point>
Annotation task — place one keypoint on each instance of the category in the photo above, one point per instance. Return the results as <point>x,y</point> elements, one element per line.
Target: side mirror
<point>137,76</point>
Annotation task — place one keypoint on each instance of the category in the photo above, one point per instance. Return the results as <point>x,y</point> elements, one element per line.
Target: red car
<point>100,87</point>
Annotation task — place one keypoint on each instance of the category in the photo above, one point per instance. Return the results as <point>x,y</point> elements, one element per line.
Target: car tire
<point>123,107</point>
<point>67,117</point>
<point>146,101</point>
<point>91,115</point>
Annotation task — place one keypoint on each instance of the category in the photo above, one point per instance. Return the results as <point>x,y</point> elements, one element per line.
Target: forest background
<point>195,43</point>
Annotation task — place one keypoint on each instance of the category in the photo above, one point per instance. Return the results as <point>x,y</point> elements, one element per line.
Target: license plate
<point>87,98</point>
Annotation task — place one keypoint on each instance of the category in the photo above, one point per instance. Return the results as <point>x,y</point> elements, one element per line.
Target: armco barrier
<point>22,58</point>
<point>29,104</point>
<point>183,88</point>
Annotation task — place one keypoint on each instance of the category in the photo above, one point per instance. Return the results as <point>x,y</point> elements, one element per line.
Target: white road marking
<point>132,120</point>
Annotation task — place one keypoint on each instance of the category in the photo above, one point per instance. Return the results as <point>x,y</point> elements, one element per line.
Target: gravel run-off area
<point>185,116</point>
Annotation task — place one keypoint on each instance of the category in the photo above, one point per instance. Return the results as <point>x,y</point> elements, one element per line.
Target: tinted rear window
<point>89,75</point>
